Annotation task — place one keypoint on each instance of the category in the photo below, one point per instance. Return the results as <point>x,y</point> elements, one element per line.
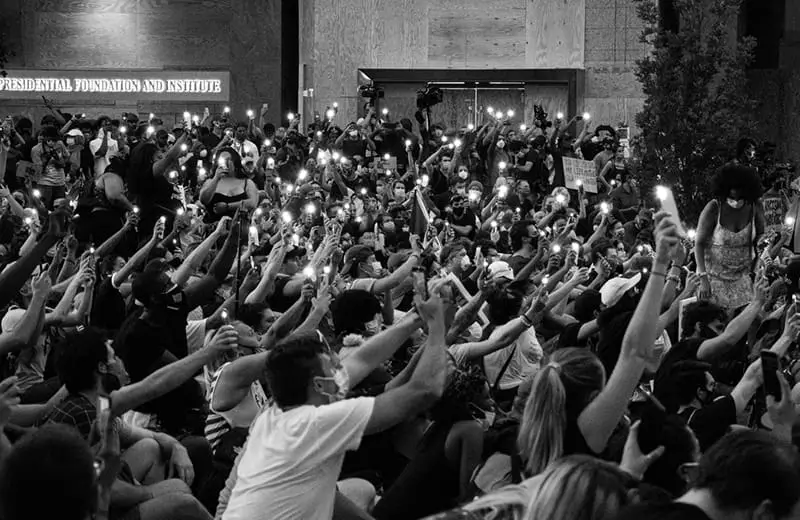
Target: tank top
<point>212,216</point>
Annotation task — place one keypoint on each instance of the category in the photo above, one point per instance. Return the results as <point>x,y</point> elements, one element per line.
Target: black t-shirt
<point>670,511</point>
<point>353,147</point>
<point>108,311</point>
<point>466,219</point>
<point>147,188</point>
<point>684,350</point>
<point>711,422</point>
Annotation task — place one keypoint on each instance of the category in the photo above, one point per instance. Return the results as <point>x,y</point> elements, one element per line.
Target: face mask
<point>203,153</point>
<point>465,262</point>
<point>352,133</point>
<point>399,193</point>
<point>340,379</point>
<point>70,141</point>
<point>377,267</point>
<point>488,420</point>
<point>501,144</point>
<point>461,191</point>
<point>463,174</point>
<point>372,327</point>
<point>735,204</point>
<point>474,195</point>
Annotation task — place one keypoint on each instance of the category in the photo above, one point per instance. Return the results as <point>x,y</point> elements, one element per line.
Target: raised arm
<point>170,377</point>
<point>107,247</point>
<point>738,327</point>
<point>13,277</point>
<point>205,287</point>
<point>599,419</point>
<point>401,273</point>
<point>425,386</point>
<point>138,258</point>
<point>198,256</point>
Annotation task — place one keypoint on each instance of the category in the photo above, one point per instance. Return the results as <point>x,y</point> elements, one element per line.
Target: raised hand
<point>225,339</point>
<point>222,226</point>
<point>667,238</point>
<point>634,461</point>
<point>41,284</point>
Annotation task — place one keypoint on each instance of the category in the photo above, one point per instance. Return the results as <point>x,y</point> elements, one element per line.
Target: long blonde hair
<point>561,389</point>
<point>578,487</point>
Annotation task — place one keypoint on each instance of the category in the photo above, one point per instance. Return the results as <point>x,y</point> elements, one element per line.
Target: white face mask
<point>353,133</point>
<point>377,267</point>
<point>372,327</point>
<point>463,174</point>
<point>501,144</point>
<point>735,204</point>
<point>340,379</point>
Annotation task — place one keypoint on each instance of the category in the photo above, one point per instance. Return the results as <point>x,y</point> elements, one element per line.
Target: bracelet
<point>673,278</point>
<point>656,273</point>
<point>526,321</point>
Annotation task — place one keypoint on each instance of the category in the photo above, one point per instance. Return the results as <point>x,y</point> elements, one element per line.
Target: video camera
<point>370,91</point>
<point>429,96</point>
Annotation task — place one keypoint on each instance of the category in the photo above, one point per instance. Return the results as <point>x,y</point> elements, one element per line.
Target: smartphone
<point>668,204</point>
<point>226,317</point>
<point>770,367</point>
<point>103,404</point>
<point>420,282</point>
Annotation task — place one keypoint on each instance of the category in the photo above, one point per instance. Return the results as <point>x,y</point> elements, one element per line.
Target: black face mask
<point>707,332</point>
<point>458,211</point>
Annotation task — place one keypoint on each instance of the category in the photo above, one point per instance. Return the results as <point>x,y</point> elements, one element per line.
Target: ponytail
<point>541,434</point>
<point>563,387</point>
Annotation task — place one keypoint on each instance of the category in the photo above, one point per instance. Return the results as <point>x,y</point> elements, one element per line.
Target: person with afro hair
<point>729,228</point>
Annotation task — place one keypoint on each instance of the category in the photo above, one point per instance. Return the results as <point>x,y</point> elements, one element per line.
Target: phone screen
<point>669,205</point>
<point>770,365</point>
<point>420,283</point>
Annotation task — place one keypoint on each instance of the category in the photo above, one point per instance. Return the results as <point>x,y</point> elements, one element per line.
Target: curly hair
<point>737,177</point>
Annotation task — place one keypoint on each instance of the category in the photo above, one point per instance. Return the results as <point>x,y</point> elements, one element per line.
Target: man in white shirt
<point>295,450</point>
<point>104,147</point>
<point>246,148</point>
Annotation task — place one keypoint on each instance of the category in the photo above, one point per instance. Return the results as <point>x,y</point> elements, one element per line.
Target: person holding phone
<point>727,233</point>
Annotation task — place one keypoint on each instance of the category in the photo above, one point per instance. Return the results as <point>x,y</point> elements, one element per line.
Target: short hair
<point>101,120</point>
<point>607,128</point>
<point>352,309</point>
<point>676,384</point>
<point>291,366</point>
<point>585,305</point>
<point>737,177</point>
<point>78,357</point>
<point>744,468</point>
<point>519,232</point>
<point>600,247</point>
<point>251,313</point>
<point>701,312</point>
<point>54,460</point>
<point>49,132</point>
<point>449,249</point>
<point>670,431</point>
<point>505,303</point>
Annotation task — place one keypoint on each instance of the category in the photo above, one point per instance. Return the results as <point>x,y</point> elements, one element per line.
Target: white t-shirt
<point>100,163</point>
<point>527,360</point>
<point>292,460</point>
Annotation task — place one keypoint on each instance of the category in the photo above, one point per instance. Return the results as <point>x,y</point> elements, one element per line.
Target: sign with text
<point>133,85</point>
<point>578,170</point>
<point>774,212</point>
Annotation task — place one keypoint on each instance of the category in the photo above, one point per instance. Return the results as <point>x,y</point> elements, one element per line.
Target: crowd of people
<point>387,319</point>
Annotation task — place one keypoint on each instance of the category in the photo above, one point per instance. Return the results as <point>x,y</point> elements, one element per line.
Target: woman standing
<point>729,228</point>
<point>229,189</point>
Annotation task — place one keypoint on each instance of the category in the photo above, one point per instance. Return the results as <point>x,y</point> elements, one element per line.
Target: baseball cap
<point>356,254</point>
<point>500,271</point>
<point>11,319</point>
<point>613,290</point>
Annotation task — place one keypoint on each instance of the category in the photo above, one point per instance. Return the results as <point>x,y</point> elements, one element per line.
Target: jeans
<point>52,193</point>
